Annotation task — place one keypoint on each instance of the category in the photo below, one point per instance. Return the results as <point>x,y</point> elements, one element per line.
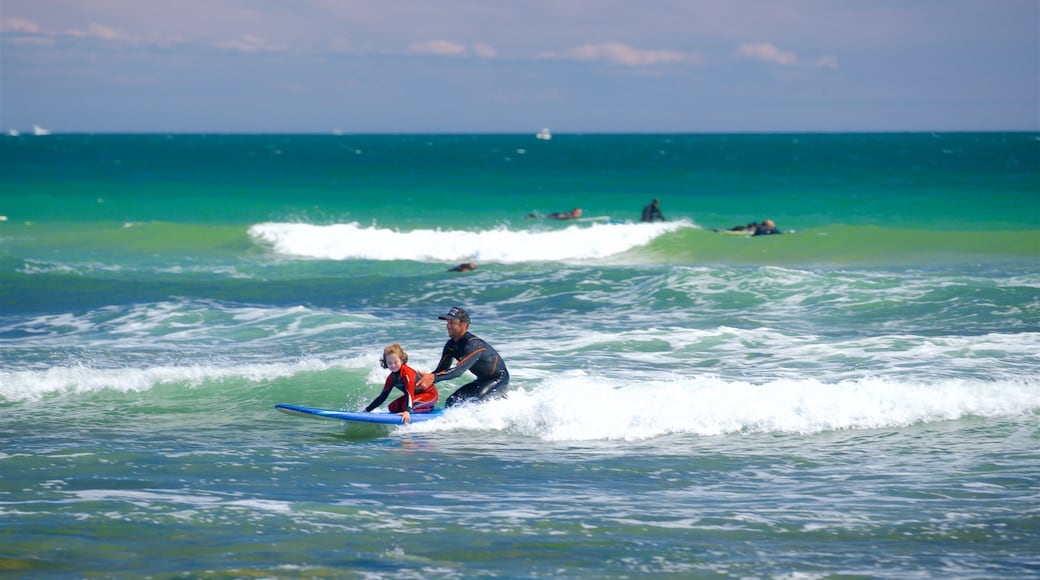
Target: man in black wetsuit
<point>652,212</point>
<point>473,355</point>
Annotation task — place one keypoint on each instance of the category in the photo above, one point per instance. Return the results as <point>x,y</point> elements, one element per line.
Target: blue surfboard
<point>354,416</point>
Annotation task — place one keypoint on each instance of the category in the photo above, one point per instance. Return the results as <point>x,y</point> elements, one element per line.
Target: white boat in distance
<point>544,135</point>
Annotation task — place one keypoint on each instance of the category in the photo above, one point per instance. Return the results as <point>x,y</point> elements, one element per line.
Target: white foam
<point>142,325</point>
<point>151,498</point>
<point>32,385</point>
<point>501,245</point>
<point>577,407</point>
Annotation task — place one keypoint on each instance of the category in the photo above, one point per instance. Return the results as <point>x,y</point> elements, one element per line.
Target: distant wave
<point>354,242</point>
<point>678,242</point>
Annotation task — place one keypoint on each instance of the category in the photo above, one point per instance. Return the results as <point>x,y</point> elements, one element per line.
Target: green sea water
<point>946,182</point>
<point>856,397</point>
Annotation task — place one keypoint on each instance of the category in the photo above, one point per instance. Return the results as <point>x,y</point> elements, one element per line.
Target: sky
<point>516,66</point>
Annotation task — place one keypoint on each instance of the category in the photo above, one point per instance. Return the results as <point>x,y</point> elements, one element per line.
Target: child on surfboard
<point>404,377</point>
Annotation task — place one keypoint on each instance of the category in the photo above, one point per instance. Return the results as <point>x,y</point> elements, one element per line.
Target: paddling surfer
<point>766,228</point>
<point>560,215</point>
<point>464,267</point>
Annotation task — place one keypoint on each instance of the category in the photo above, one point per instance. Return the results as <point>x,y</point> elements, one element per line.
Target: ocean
<point>858,397</point>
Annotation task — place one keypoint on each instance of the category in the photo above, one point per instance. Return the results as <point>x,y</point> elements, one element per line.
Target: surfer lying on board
<point>415,399</point>
<point>765,228</point>
<point>560,215</point>
<point>473,355</point>
<point>464,267</point>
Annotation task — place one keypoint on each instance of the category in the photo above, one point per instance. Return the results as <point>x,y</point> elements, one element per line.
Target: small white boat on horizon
<point>544,135</point>
<point>38,130</point>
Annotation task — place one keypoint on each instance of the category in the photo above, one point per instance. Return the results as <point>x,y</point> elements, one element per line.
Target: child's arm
<point>382,396</point>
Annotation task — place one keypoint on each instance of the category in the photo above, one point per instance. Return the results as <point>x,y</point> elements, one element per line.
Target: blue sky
<point>469,66</point>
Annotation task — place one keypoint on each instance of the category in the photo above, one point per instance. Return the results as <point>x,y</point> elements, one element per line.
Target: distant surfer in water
<point>464,267</point>
<point>765,228</point>
<point>416,399</point>
<point>560,215</point>
<point>749,228</point>
<point>652,212</point>
<point>473,355</point>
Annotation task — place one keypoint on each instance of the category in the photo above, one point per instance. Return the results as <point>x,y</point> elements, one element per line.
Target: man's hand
<point>425,381</point>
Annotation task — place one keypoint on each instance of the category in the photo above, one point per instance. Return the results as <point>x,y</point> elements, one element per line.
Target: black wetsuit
<point>476,356</point>
<point>652,213</point>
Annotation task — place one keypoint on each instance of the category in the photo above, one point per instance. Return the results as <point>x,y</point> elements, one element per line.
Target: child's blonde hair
<point>395,349</point>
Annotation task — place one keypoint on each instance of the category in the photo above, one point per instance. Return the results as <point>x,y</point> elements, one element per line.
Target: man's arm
<point>464,364</point>
<point>429,378</point>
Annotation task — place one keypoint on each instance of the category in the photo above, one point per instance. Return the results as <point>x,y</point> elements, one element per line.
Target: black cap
<point>456,313</point>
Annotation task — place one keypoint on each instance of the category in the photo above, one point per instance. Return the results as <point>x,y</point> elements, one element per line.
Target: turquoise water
<point>855,397</point>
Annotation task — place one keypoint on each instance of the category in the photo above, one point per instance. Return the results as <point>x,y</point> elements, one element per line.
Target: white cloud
<point>24,32</point>
<point>622,54</point>
<point>93,30</point>
<point>250,43</point>
<point>103,32</point>
<point>767,52</point>
<point>34,33</point>
<point>449,48</point>
<point>97,32</point>
<point>19,25</point>
<point>440,47</point>
<point>484,50</point>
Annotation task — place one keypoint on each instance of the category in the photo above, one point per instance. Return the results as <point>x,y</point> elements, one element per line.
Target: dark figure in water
<point>560,215</point>
<point>764,228</point>
<point>652,212</point>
